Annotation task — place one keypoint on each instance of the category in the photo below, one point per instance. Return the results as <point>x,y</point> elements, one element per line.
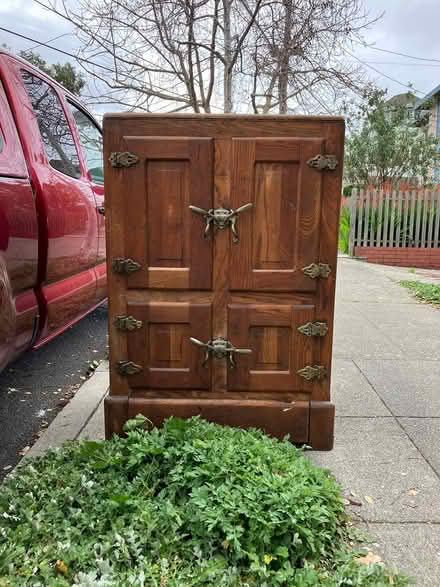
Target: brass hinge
<point>310,372</point>
<point>128,368</point>
<point>122,265</point>
<point>123,159</point>
<point>314,329</point>
<point>323,162</point>
<point>127,323</point>
<point>315,270</point>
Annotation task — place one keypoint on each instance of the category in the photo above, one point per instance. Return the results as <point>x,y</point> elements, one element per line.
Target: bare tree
<point>234,55</point>
<point>300,63</point>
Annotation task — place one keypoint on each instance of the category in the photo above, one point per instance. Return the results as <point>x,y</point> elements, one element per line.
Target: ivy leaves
<point>191,504</point>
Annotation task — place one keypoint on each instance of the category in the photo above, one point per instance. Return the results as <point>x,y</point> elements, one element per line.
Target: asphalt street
<point>38,385</point>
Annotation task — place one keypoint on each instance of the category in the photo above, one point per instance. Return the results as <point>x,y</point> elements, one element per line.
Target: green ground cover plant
<point>428,292</point>
<point>344,230</point>
<point>191,504</point>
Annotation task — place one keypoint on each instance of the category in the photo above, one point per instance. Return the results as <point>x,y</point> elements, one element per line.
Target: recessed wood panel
<point>275,190</point>
<point>168,348</point>
<point>280,234</point>
<point>270,348</point>
<point>167,183</point>
<point>162,346</point>
<point>278,348</point>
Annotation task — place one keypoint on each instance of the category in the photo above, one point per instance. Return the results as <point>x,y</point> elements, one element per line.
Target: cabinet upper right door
<point>279,235</point>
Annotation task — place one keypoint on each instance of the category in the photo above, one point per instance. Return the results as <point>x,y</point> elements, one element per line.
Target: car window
<point>90,138</point>
<point>58,140</point>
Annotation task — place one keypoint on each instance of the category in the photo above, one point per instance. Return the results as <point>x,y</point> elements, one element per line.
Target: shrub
<point>347,190</point>
<point>191,504</point>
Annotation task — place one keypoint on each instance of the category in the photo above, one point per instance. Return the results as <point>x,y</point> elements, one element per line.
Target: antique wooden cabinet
<point>221,247</point>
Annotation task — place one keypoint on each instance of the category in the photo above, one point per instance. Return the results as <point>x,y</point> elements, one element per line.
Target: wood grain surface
<point>253,292</point>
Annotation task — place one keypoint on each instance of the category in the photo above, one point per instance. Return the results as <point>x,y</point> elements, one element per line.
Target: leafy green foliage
<point>428,292</point>
<point>191,504</point>
<point>63,73</point>
<point>344,230</point>
<point>347,190</point>
<point>387,148</point>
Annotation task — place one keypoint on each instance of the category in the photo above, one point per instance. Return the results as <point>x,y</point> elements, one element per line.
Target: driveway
<point>386,386</point>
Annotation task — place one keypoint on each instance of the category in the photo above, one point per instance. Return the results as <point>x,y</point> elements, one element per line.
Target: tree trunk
<point>283,77</point>
<point>227,74</point>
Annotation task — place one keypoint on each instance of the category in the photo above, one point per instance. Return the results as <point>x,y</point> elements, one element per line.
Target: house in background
<point>427,114</point>
<point>407,99</point>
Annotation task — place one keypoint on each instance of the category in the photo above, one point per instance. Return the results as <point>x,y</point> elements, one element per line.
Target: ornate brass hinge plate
<point>123,159</point>
<point>122,265</point>
<point>314,329</point>
<point>322,162</point>
<point>127,323</point>
<point>315,270</point>
<point>311,372</point>
<point>128,368</point>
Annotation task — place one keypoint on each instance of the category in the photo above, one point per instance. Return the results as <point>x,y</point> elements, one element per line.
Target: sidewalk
<point>386,386</point>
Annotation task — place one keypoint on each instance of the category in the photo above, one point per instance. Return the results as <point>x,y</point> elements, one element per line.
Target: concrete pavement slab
<point>103,366</point>
<point>408,388</point>
<point>360,282</point>
<point>379,292</point>
<point>352,393</point>
<point>355,337</point>
<point>397,274</point>
<point>375,460</point>
<point>420,544</point>
<point>94,429</point>
<point>425,433</point>
<point>416,332</point>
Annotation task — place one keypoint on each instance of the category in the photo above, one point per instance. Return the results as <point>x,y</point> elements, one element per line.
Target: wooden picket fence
<point>394,219</point>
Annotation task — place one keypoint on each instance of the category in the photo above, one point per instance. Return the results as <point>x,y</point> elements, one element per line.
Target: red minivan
<point>52,239</point>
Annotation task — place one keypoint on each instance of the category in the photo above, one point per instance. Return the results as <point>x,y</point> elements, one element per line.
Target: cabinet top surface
<point>242,117</point>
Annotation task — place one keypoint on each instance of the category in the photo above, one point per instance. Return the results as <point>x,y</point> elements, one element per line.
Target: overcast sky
<point>408,26</point>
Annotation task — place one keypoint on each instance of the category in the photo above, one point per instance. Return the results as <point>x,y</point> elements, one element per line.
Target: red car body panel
<point>52,243</point>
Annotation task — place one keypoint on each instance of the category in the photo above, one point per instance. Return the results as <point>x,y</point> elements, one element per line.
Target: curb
<point>72,419</point>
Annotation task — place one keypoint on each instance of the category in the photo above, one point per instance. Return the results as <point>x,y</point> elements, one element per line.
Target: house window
<point>57,137</point>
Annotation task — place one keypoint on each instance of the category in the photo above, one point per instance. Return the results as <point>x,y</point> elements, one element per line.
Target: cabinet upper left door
<point>161,233</point>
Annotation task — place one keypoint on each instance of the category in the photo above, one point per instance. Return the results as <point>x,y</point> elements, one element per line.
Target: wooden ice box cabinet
<point>221,246</point>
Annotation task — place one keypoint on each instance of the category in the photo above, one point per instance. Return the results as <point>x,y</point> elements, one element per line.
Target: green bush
<point>347,190</point>
<point>191,504</point>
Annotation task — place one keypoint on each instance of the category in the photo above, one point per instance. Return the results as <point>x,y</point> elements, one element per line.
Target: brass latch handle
<point>220,348</point>
<point>221,218</point>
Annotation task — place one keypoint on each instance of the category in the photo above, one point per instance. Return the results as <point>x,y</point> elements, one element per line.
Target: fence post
<point>352,207</point>
<point>436,241</point>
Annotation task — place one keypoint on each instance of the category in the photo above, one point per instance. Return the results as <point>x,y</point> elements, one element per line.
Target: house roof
<point>432,93</point>
<point>405,99</point>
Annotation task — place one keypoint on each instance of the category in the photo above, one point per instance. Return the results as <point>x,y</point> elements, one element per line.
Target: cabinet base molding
<point>305,422</point>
